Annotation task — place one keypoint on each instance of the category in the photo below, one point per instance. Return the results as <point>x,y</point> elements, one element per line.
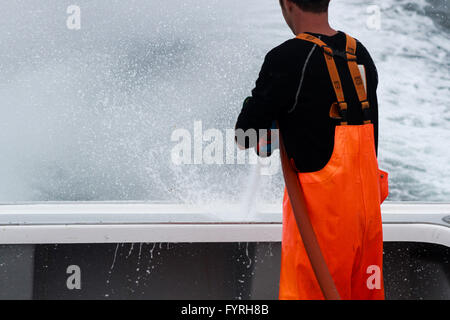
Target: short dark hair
<point>316,6</point>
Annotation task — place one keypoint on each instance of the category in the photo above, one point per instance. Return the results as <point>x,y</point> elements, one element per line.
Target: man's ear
<point>289,5</point>
<point>285,4</point>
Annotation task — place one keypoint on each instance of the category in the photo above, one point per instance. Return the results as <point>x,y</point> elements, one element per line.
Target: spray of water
<point>248,201</point>
<point>88,114</point>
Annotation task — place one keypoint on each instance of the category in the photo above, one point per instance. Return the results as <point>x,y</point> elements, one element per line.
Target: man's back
<point>294,87</point>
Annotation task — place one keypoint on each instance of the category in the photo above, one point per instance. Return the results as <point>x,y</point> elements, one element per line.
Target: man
<point>321,89</point>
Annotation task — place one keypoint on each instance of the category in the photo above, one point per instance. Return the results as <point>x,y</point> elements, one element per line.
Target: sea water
<point>88,114</point>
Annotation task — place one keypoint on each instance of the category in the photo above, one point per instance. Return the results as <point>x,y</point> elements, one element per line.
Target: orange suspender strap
<point>350,56</point>
<point>332,69</point>
<point>356,76</point>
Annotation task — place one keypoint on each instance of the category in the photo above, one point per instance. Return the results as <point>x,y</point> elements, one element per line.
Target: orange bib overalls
<point>343,201</point>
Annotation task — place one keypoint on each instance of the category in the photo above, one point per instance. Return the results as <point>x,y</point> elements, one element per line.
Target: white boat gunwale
<point>139,222</point>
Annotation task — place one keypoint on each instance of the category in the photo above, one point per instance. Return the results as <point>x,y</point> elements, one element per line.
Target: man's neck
<point>314,23</point>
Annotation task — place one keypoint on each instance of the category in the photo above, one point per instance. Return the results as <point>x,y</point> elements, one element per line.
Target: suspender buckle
<point>349,56</point>
<point>328,50</point>
<point>343,106</point>
<point>366,111</point>
<point>346,55</point>
<point>365,105</point>
<point>343,110</point>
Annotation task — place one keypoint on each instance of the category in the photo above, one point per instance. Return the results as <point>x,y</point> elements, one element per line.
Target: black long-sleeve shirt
<point>294,87</point>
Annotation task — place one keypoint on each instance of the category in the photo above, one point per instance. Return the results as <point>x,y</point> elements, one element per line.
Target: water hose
<point>298,203</point>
